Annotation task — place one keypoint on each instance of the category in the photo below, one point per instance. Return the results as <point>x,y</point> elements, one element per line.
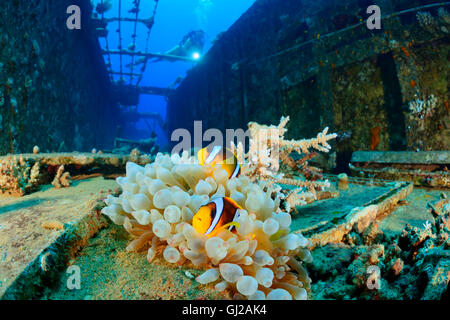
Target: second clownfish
<point>219,214</point>
<point>219,155</point>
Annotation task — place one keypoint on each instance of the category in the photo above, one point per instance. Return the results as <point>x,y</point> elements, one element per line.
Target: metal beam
<point>144,21</point>
<point>150,90</point>
<point>125,74</point>
<point>155,91</point>
<point>148,55</point>
<point>402,157</point>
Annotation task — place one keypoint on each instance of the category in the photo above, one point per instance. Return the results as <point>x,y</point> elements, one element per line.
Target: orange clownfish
<point>218,155</point>
<point>219,214</point>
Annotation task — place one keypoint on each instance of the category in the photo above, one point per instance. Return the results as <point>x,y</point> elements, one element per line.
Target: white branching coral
<point>268,149</point>
<point>260,260</point>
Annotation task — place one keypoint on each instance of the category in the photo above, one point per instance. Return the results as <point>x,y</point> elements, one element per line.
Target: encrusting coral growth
<point>16,176</point>
<point>423,108</point>
<point>426,20</point>
<point>62,179</point>
<point>411,265</point>
<point>260,259</point>
<point>432,23</point>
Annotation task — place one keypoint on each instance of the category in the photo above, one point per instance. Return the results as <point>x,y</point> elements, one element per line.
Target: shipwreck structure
<point>319,63</point>
<point>58,86</point>
<point>44,72</point>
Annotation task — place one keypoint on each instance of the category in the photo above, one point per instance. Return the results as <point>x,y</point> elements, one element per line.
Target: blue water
<point>173,20</point>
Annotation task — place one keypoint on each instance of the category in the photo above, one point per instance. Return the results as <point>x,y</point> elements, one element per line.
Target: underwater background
<point>45,68</point>
<point>175,19</point>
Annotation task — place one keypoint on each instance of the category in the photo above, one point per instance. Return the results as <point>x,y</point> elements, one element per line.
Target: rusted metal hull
<point>332,228</point>
<point>424,168</point>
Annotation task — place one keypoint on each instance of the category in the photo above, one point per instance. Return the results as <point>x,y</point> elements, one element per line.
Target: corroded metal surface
<point>110,272</point>
<point>329,220</point>
<point>402,157</point>
<point>43,233</point>
<point>321,56</point>
<point>32,245</point>
<point>44,106</point>
<point>424,168</point>
<point>82,159</point>
<point>418,177</point>
<point>439,262</point>
<point>18,175</point>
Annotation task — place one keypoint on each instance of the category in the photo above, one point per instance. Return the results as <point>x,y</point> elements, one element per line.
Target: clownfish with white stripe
<point>218,155</point>
<point>219,214</point>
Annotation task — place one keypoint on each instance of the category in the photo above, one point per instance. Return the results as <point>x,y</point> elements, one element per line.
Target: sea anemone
<point>261,260</point>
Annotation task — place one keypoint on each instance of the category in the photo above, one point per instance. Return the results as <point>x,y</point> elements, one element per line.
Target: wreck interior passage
<point>120,180</point>
<point>131,50</point>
